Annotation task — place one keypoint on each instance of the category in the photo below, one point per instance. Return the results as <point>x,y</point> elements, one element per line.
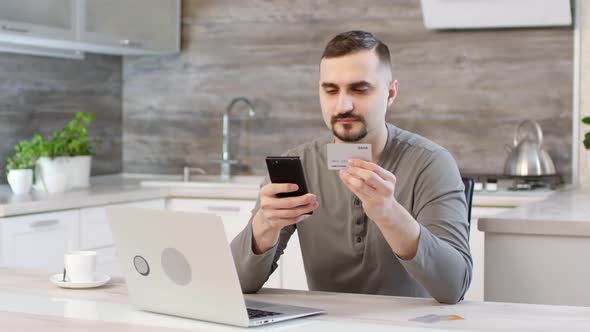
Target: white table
<point>28,302</point>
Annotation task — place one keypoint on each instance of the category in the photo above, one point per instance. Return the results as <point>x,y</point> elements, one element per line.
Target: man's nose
<point>344,103</point>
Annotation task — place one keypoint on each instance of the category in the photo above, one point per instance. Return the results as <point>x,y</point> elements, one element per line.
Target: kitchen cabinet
<point>292,261</point>
<point>95,233</point>
<point>130,26</point>
<point>476,244</point>
<point>66,28</point>
<point>38,241</point>
<point>234,214</point>
<point>51,19</point>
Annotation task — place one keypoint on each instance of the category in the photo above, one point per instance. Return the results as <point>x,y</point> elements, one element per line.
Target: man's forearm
<point>264,236</point>
<point>401,231</point>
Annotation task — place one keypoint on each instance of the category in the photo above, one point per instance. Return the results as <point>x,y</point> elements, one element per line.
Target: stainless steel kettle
<point>526,157</point>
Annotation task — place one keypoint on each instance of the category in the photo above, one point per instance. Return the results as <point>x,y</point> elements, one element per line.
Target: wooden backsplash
<point>466,90</point>
<point>41,94</point>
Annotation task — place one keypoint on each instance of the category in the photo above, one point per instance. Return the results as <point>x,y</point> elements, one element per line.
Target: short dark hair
<point>355,41</point>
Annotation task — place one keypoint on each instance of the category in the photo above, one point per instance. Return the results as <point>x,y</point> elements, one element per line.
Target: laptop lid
<point>178,263</point>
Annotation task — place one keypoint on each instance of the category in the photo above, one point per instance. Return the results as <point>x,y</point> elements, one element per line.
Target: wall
<point>465,90</point>
<point>40,94</point>
<point>584,90</point>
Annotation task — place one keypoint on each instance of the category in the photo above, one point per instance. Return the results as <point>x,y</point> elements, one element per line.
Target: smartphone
<point>287,169</point>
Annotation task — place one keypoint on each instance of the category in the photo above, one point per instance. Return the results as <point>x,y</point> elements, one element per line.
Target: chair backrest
<point>468,182</point>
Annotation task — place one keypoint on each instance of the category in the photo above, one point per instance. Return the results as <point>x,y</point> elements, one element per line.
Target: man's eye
<point>331,92</point>
<point>361,90</point>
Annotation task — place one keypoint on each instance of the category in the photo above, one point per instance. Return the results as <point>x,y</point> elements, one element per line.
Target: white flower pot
<point>588,165</point>
<point>51,175</point>
<point>79,174</point>
<point>20,180</point>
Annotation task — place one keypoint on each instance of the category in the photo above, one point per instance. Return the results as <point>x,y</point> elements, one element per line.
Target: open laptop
<point>180,264</point>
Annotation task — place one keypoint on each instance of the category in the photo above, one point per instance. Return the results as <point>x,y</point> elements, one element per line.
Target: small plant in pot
<point>68,152</point>
<point>19,167</point>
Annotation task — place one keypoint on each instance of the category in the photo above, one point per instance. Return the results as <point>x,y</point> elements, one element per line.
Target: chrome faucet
<point>225,161</point>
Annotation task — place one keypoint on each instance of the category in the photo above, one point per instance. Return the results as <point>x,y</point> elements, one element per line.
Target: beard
<point>346,133</point>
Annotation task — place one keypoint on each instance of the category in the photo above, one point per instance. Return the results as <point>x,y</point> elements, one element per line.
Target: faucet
<point>225,161</point>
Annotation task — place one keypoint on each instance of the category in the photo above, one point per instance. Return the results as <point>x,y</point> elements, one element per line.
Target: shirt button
<point>357,202</point>
<point>359,239</point>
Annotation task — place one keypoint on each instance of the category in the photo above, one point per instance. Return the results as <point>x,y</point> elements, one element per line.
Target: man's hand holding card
<point>373,185</point>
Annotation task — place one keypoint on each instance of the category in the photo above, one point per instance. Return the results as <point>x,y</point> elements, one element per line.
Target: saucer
<point>99,280</point>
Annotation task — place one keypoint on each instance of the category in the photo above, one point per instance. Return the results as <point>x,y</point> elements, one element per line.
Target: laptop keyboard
<point>255,313</point>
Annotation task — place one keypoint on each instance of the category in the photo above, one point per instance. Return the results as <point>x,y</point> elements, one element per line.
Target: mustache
<point>347,116</point>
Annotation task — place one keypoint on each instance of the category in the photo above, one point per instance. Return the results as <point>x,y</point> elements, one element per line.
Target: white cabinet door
<point>293,270</point>
<point>95,231</point>
<point>39,241</point>
<point>107,262</point>
<point>132,25</point>
<point>476,243</point>
<point>235,215</point>
<point>55,19</point>
<point>96,235</point>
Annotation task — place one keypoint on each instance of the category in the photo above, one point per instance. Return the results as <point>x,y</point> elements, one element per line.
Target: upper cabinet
<point>123,27</point>
<point>131,26</point>
<point>54,19</point>
<point>493,14</point>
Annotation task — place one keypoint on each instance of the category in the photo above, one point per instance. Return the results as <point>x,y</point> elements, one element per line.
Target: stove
<point>495,182</point>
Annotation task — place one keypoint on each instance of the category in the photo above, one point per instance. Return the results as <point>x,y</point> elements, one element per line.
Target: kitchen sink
<point>207,181</point>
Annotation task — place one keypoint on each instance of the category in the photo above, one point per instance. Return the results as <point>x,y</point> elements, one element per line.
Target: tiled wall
<point>466,90</point>
<point>41,94</point>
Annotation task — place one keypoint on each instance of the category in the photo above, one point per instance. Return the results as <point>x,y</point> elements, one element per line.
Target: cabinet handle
<point>44,223</point>
<point>224,208</point>
<point>130,43</point>
<point>13,29</point>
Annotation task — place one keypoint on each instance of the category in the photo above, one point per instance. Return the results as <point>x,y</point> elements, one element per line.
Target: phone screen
<point>287,169</point>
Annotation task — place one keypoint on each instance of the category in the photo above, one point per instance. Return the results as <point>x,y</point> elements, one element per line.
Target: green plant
<point>586,120</point>
<point>24,156</point>
<point>72,140</point>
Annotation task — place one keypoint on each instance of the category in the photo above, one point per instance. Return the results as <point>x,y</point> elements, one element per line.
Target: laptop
<point>180,264</point>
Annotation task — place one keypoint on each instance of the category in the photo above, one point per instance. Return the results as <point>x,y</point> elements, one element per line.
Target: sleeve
<point>442,264</point>
<point>253,270</point>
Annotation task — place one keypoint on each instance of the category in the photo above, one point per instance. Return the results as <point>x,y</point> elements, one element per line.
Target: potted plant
<point>19,167</point>
<point>586,142</point>
<point>69,152</point>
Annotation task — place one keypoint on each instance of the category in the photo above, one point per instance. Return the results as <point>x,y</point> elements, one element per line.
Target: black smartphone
<point>287,169</point>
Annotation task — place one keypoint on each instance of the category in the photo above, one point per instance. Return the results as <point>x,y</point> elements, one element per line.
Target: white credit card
<point>339,154</point>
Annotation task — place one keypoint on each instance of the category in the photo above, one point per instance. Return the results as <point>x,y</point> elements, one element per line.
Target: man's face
<point>355,90</point>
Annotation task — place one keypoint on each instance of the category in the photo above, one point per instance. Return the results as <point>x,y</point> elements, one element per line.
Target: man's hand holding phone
<point>278,207</point>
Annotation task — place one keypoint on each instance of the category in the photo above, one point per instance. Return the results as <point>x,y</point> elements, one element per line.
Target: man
<point>396,225</point>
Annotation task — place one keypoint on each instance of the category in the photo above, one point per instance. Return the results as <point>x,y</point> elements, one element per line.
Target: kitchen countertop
<point>113,189</point>
<point>121,188</point>
<point>565,212</point>
<point>29,302</point>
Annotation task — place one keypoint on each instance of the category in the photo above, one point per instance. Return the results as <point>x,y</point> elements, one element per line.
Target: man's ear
<point>392,88</point>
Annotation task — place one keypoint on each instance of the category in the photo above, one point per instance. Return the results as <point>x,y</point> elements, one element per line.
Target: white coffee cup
<point>80,266</point>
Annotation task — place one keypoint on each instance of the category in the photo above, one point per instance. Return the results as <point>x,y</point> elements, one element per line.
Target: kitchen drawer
<point>225,207</point>
<point>38,241</point>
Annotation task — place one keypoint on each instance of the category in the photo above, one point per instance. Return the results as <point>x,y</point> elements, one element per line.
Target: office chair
<point>468,182</point>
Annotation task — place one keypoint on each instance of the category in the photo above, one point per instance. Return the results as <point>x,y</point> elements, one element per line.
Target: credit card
<point>436,318</point>
<point>339,154</point>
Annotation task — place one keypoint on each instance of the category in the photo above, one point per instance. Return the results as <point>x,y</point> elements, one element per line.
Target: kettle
<point>526,157</point>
